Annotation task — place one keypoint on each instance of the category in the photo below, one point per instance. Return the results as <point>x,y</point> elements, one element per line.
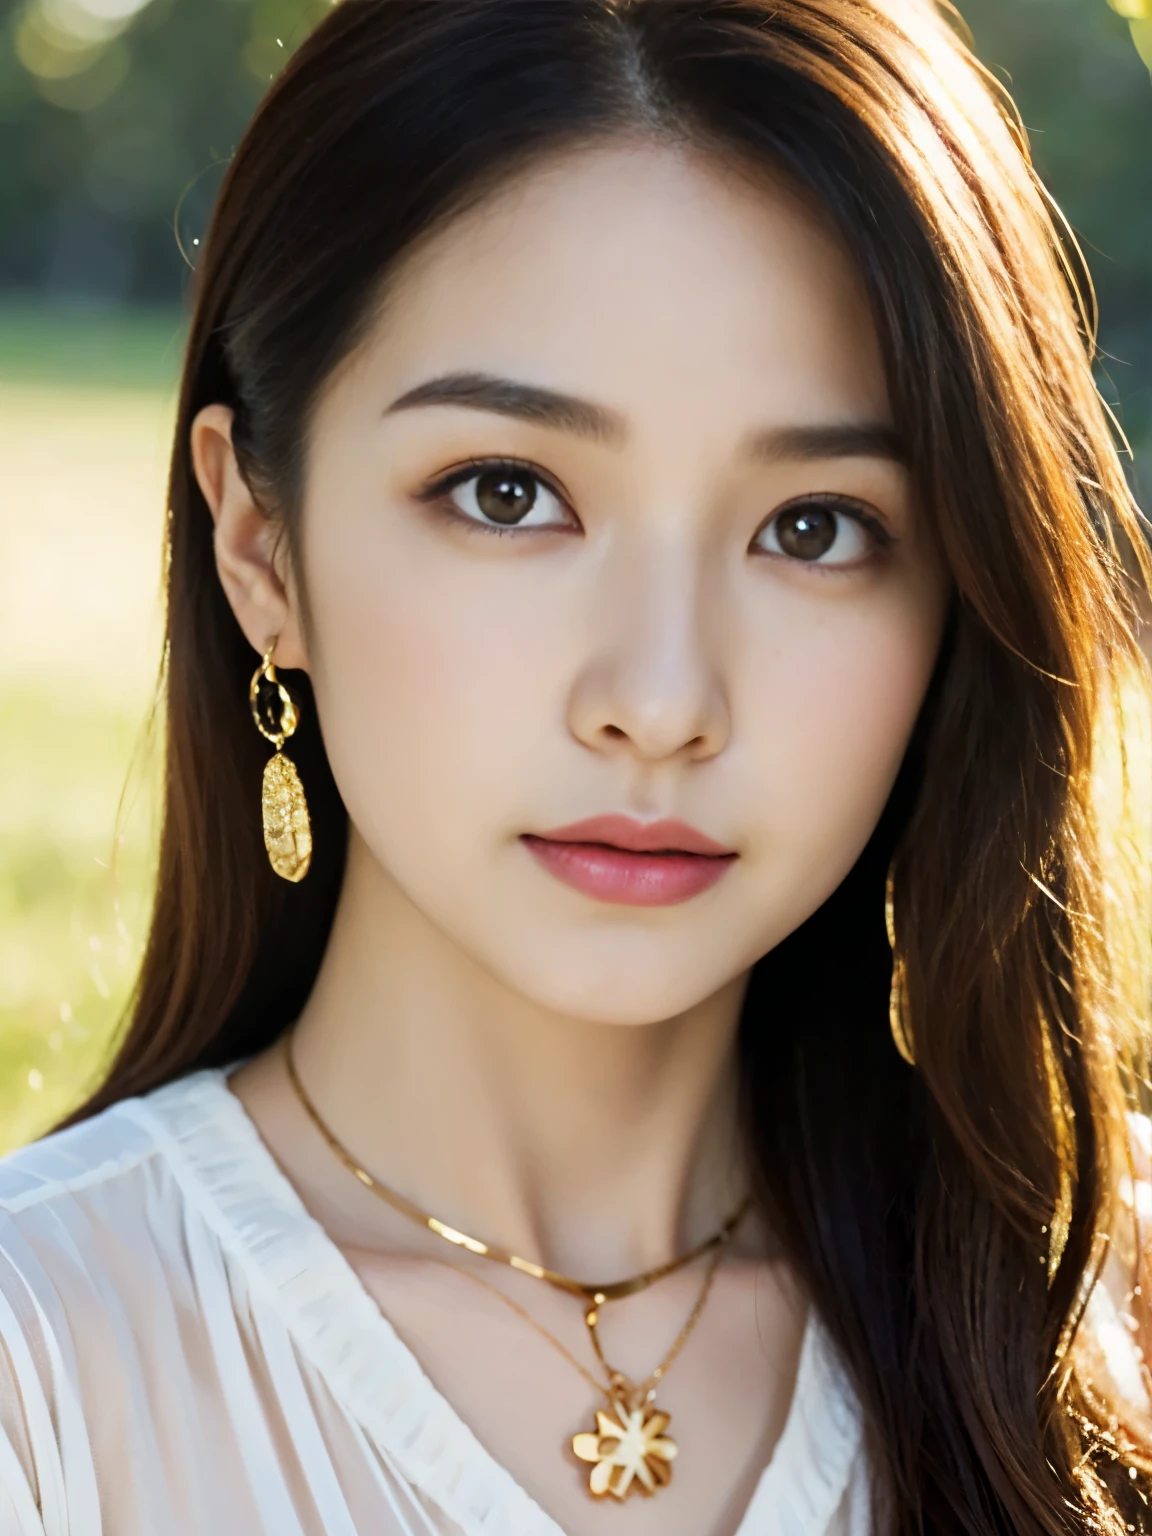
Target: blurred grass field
<point>86,404</point>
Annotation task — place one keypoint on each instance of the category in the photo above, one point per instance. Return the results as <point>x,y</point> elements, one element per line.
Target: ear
<point>251,554</point>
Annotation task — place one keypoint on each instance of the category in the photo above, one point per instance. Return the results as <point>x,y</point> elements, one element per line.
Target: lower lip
<point>629,879</point>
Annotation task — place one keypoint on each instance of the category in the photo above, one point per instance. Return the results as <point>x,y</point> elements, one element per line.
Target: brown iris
<point>806,532</point>
<point>505,496</point>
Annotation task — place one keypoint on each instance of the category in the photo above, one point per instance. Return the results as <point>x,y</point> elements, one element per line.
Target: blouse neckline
<point>230,1177</point>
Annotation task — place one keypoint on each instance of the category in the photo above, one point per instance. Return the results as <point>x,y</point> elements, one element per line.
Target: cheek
<point>828,723</point>
<point>432,685</point>
<point>847,699</point>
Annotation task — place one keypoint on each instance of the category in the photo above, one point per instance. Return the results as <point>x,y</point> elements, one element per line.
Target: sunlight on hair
<point>1122,790</point>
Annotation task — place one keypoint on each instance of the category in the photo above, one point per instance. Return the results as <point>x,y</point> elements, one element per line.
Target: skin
<point>545,1070</point>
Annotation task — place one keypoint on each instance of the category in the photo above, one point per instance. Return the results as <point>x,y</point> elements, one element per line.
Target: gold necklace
<point>629,1448</point>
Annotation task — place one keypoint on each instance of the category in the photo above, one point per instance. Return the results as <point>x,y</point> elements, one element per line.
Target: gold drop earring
<point>897,996</point>
<point>287,827</point>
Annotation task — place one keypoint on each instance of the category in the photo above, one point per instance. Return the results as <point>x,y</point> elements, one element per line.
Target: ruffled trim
<point>228,1174</point>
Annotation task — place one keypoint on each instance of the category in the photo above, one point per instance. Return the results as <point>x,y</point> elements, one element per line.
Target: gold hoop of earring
<point>897,996</point>
<point>287,826</point>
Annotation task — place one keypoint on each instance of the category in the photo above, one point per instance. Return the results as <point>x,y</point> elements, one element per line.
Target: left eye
<point>507,496</point>
<point>817,531</point>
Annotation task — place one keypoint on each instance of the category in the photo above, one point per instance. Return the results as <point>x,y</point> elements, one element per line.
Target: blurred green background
<point>117,118</point>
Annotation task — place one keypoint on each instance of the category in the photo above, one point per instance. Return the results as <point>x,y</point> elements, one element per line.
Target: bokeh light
<point>1138,14</point>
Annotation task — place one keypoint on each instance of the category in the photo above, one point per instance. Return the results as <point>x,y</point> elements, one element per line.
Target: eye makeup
<point>807,528</point>
<point>507,493</point>
<point>511,495</point>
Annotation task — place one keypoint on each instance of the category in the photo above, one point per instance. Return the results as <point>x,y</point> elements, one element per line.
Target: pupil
<point>806,533</point>
<point>505,497</point>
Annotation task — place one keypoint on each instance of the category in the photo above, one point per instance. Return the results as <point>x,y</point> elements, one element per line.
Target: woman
<point>657,442</point>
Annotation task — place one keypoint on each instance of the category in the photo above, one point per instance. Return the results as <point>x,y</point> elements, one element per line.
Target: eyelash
<point>846,506</point>
<point>438,491</point>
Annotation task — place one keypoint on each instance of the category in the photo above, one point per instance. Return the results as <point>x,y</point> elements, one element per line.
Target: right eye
<point>503,497</point>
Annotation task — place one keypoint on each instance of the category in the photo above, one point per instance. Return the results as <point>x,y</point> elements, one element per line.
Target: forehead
<point>655,279</point>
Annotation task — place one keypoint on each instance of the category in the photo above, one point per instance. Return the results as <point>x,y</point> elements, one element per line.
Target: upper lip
<point>665,836</point>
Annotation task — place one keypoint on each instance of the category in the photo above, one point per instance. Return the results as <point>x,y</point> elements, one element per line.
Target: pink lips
<point>632,863</point>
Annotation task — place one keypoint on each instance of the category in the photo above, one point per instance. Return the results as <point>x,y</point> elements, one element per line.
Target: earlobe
<point>247,541</point>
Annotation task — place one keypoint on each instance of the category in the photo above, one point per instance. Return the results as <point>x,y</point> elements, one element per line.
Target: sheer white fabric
<point>183,1350</point>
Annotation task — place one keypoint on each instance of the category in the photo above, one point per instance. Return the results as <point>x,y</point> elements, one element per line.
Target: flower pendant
<point>629,1450</point>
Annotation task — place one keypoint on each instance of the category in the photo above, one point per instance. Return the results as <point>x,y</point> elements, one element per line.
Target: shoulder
<point>97,1247</point>
<point>87,1213</point>
<point>98,1198</point>
<point>66,1203</point>
<point>103,1164</point>
<point>70,1162</point>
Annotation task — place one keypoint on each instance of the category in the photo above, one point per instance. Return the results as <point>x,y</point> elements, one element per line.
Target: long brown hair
<point>946,1219</point>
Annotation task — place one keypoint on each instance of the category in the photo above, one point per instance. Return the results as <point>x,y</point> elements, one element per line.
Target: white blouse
<point>183,1350</point>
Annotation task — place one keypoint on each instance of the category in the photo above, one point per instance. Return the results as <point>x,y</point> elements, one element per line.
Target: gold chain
<point>526,1316</point>
<point>591,1319</point>
<point>630,1448</point>
<point>596,1294</point>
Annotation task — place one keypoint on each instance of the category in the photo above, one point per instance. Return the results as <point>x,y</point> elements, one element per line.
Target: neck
<point>595,1149</point>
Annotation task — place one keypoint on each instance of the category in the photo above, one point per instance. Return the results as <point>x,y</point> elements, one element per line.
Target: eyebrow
<point>584,418</point>
<point>836,440</point>
<point>526,402</point>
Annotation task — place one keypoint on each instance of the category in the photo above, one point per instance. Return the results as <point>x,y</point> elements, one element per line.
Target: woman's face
<point>607,518</point>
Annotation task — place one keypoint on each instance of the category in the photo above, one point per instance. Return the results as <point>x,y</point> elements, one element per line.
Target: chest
<point>514,1373</point>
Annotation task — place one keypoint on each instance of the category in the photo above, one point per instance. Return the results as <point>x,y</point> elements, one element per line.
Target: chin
<point>632,995</point>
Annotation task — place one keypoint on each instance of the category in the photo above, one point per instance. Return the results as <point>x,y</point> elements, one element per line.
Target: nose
<point>651,684</point>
